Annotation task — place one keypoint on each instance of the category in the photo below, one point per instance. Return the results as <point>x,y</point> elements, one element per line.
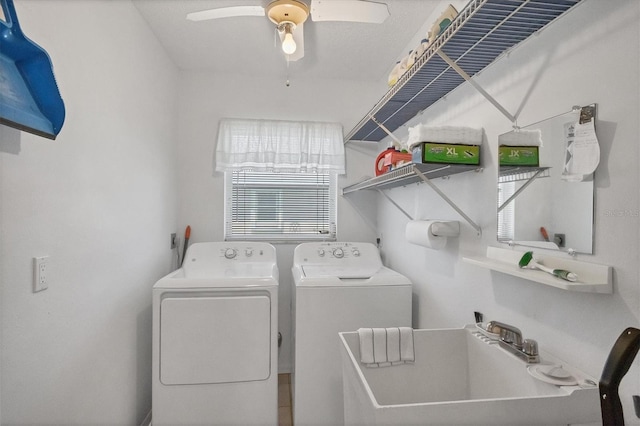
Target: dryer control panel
<point>248,252</point>
<point>229,258</point>
<point>222,252</point>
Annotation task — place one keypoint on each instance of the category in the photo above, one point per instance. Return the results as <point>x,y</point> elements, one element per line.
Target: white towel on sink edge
<point>366,345</point>
<point>407,353</point>
<point>393,345</point>
<point>383,347</point>
<point>379,345</point>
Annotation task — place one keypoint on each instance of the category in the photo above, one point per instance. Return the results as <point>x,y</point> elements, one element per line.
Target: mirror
<point>538,206</point>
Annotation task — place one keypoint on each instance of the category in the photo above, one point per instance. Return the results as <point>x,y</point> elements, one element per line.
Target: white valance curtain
<point>281,146</point>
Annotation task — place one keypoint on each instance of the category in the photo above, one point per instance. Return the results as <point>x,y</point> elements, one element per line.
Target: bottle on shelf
<point>394,75</point>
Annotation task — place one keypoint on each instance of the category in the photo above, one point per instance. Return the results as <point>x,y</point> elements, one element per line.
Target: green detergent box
<point>433,152</point>
<point>518,155</point>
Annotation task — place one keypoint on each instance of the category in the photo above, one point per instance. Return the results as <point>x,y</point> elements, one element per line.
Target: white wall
<point>590,55</point>
<point>101,201</point>
<point>205,98</point>
<point>103,198</point>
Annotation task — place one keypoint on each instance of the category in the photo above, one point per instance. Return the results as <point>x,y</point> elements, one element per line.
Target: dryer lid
<point>232,270</point>
<point>243,276</point>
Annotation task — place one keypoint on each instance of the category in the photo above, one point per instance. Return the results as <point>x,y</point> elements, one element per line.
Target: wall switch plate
<point>40,273</point>
<point>173,240</point>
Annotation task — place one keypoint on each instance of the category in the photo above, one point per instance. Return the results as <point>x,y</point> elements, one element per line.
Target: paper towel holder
<point>445,228</point>
<point>432,234</point>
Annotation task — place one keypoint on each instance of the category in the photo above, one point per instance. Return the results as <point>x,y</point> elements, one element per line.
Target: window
<point>280,206</point>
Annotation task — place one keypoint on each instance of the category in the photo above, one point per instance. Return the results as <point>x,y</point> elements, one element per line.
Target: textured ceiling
<point>247,45</point>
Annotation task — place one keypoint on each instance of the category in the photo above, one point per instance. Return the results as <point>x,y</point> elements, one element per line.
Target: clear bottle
<point>424,45</point>
<point>403,66</point>
<point>411,59</point>
<point>394,75</point>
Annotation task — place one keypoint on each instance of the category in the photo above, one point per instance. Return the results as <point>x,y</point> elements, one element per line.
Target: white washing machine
<point>338,287</point>
<point>215,337</point>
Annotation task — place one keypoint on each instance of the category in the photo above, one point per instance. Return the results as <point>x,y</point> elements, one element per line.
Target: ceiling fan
<point>289,17</point>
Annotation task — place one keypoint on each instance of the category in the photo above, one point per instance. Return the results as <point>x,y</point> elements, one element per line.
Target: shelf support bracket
<point>522,188</point>
<point>384,129</point>
<point>447,199</point>
<point>479,88</point>
<point>395,204</point>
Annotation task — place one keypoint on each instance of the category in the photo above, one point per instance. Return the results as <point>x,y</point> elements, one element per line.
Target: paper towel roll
<point>420,232</point>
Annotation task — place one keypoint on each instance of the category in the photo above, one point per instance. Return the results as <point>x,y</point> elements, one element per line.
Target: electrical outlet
<point>173,240</point>
<point>40,273</point>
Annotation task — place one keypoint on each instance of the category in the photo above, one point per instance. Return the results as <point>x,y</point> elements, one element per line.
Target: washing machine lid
<point>342,263</point>
<point>309,276</point>
<point>324,271</point>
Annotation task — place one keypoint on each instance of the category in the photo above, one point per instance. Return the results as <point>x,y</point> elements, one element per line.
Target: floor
<point>284,400</point>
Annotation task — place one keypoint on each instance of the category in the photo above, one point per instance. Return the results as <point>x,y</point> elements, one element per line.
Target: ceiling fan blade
<point>349,11</point>
<point>226,12</point>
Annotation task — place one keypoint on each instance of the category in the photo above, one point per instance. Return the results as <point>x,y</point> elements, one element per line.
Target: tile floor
<point>285,416</point>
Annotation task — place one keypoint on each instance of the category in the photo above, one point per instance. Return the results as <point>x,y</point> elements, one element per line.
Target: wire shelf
<point>515,174</point>
<point>481,32</point>
<point>406,175</point>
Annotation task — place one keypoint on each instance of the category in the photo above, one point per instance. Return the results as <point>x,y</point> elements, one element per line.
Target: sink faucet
<point>511,340</point>
<point>507,333</point>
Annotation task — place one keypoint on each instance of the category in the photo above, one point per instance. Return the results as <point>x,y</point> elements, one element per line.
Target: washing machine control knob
<point>339,253</point>
<point>321,252</point>
<point>356,253</point>
<point>248,252</point>
<point>230,253</point>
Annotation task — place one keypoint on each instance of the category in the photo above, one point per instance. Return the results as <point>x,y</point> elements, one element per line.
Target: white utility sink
<point>462,377</point>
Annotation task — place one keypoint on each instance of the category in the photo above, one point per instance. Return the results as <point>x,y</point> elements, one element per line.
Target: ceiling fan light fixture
<point>286,34</point>
<point>294,11</point>
<point>287,14</point>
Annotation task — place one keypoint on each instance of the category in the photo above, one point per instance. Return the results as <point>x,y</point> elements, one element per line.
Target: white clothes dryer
<point>215,337</point>
<point>339,286</point>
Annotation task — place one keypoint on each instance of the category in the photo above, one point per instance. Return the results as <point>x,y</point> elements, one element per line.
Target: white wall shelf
<point>592,277</point>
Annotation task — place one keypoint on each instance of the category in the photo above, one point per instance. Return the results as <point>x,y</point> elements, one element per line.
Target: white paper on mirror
<point>582,152</point>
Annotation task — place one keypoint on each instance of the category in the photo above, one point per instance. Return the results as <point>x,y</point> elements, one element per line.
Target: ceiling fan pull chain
<point>287,82</point>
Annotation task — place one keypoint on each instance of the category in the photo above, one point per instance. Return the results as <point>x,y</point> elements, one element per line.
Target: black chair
<point>618,363</point>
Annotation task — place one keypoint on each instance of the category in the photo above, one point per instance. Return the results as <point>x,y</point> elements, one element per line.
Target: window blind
<point>506,217</point>
<point>280,206</point>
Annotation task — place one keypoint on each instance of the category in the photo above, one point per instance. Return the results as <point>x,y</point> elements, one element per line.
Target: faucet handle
<point>512,337</point>
<point>530,347</point>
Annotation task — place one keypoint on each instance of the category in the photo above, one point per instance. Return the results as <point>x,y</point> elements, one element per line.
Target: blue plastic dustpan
<point>29,96</point>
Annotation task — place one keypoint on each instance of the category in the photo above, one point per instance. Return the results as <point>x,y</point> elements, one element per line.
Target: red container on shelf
<point>389,159</point>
